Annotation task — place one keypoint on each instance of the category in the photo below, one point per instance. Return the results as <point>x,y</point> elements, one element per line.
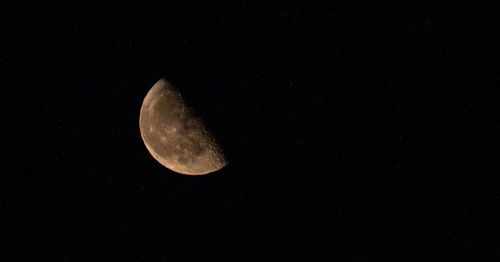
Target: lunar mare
<point>175,136</point>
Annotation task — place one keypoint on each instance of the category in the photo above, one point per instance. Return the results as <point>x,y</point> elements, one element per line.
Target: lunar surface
<point>175,136</point>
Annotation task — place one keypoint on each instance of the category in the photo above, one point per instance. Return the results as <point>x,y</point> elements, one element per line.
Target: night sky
<point>352,132</point>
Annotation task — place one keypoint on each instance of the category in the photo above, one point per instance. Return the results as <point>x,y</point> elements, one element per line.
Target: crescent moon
<point>175,136</point>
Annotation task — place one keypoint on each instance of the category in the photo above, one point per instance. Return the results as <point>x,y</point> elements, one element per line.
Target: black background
<point>357,132</point>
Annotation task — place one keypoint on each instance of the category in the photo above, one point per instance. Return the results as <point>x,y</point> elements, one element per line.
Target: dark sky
<point>356,132</point>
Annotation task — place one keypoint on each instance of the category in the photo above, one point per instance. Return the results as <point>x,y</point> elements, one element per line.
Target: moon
<point>175,136</point>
